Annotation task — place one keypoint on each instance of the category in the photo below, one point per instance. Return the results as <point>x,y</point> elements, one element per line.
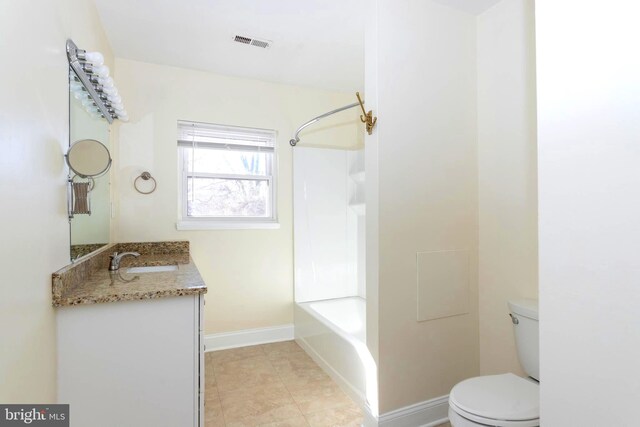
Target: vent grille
<point>265,44</point>
<point>260,43</point>
<point>240,39</point>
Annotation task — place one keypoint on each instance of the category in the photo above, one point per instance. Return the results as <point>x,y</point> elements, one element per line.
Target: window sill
<point>220,225</point>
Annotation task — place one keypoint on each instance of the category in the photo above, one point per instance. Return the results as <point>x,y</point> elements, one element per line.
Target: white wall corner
<point>429,413</point>
<point>247,337</point>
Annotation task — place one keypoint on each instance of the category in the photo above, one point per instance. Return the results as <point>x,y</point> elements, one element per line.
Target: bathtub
<point>333,333</point>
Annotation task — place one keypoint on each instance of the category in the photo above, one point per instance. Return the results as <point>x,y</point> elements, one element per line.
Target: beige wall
<point>507,187</point>
<point>249,272</point>
<point>35,230</point>
<point>426,176</point>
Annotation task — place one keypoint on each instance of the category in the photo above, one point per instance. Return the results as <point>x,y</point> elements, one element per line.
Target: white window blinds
<point>208,135</point>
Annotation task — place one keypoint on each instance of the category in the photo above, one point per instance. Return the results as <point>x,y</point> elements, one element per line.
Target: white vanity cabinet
<point>133,363</point>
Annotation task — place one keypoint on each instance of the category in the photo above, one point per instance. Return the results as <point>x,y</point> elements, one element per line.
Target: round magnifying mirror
<point>88,157</point>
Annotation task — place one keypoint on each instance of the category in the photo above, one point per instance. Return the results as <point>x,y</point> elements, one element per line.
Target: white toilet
<point>505,400</point>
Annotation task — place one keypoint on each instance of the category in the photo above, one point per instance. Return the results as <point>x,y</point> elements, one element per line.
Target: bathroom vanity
<point>130,344</point>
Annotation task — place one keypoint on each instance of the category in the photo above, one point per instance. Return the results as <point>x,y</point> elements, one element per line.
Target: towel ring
<point>146,176</point>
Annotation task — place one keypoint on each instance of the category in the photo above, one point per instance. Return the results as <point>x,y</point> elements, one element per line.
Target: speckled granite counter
<point>89,281</point>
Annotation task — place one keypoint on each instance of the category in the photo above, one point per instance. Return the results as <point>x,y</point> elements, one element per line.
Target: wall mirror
<point>89,160</point>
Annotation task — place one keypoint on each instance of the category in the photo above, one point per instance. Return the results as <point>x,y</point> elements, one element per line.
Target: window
<point>227,176</point>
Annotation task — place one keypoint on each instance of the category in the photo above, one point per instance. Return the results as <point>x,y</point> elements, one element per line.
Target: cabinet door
<point>130,363</point>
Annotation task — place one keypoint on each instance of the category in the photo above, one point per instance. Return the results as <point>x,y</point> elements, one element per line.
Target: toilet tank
<point>524,315</point>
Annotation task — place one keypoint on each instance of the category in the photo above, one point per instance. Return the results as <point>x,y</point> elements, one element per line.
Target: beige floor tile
<point>210,386</point>
<point>292,351</point>
<point>209,375</point>
<point>222,356</point>
<point>244,373</point>
<point>214,422</point>
<point>279,349</point>
<point>273,385</point>
<point>258,405</point>
<point>213,414</point>
<point>209,378</point>
<point>297,370</point>
<point>319,396</point>
<point>291,363</point>
<point>211,392</point>
<point>344,416</point>
<point>304,378</point>
<point>277,390</point>
<point>208,358</point>
<point>293,422</point>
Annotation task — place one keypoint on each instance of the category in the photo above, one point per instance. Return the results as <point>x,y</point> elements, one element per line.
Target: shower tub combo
<point>330,309</point>
<point>333,333</point>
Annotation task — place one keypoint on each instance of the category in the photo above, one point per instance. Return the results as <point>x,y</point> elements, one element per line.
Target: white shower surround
<point>325,228</point>
<point>330,310</point>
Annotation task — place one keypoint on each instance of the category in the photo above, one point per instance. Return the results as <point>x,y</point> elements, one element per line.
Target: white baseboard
<point>429,413</point>
<point>248,337</point>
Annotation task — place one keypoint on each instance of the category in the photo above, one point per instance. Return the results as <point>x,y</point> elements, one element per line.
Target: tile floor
<point>273,385</point>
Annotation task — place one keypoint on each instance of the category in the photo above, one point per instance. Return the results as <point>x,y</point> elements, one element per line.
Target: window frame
<point>186,222</point>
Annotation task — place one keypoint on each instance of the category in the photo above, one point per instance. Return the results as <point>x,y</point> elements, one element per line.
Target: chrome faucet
<point>116,258</point>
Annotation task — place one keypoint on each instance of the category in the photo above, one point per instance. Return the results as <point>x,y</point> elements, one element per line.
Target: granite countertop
<point>90,281</point>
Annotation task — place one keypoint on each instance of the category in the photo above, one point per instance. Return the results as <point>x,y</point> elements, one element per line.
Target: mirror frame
<point>80,174</point>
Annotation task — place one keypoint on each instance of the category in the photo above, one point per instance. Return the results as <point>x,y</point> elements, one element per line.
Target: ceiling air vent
<point>252,41</point>
<point>260,43</point>
<point>240,39</point>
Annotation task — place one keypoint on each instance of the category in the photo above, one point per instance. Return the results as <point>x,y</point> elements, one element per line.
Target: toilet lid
<point>498,397</point>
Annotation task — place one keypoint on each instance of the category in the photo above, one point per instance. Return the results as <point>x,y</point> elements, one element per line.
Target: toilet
<point>505,400</point>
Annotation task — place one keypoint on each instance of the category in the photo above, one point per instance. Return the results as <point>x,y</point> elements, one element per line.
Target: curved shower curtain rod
<point>296,139</point>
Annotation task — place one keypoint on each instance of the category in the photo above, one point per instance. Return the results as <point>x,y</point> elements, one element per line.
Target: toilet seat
<point>460,418</point>
<point>497,400</point>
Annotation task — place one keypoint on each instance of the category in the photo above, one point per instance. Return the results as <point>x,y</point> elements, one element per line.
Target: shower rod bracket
<point>366,117</point>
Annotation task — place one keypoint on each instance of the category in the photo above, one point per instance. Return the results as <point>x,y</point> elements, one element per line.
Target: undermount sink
<point>152,269</point>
